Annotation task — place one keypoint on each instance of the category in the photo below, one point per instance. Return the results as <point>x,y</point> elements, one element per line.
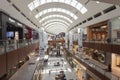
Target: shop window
<point>118,61</point>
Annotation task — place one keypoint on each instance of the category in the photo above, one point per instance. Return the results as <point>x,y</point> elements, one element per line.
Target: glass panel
<point>55,20</point>
<point>61,1</point>
<point>83,10</point>
<point>61,16</point>
<point>36,3</point>
<point>73,3</point>
<point>79,6</point>
<point>43,1</point>
<point>68,1</point>
<point>48,1</point>
<point>55,10</point>
<point>31,6</point>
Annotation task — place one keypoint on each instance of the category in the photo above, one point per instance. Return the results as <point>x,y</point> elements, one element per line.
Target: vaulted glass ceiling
<point>56,10</point>
<point>56,16</point>
<point>73,3</point>
<point>59,16</point>
<point>55,20</point>
<point>56,23</point>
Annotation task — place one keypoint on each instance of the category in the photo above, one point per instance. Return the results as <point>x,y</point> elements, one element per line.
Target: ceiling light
<point>97,2</point>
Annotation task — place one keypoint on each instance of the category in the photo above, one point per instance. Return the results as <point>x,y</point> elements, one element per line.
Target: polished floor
<point>49,70</point>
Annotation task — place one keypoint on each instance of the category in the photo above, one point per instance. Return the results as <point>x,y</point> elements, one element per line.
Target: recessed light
<point>97,2</point>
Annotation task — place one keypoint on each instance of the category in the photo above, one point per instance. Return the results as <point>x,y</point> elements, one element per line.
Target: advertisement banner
<point>80,38</point>
<point>41,41</point>
<point>70,40</point>
<point>66,40</point>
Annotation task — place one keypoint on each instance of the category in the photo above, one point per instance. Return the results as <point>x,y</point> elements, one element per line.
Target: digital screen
<point>10,34</point>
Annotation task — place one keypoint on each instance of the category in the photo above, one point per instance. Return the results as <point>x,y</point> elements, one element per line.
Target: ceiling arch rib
<point>72,3</point>
<point>56,10</point>
<point>55,29</point>
<point>59,27</point>
<point>59,16</point>
<point>55,20</point>
<point>56,23</point>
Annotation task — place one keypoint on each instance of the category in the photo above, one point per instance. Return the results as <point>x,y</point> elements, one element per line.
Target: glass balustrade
<point>10,45</point>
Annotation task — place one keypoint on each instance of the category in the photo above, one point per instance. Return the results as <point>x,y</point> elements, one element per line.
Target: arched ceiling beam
<point>55,20</point>
<point>56,10</point>
<point>59,16</point>
<point>56,23</point>
<point>73,3</point>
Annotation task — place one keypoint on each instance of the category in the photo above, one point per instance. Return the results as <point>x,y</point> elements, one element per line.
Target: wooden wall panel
<point>115,49</point>
<point>98,74</point>
<point>8,60</point>
<point>112,48</point>
<point>12,58</point>
<point>22,53</point>
<point>3,66</point>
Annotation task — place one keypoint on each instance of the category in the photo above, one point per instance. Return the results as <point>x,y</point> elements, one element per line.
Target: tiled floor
<point>50,70</point>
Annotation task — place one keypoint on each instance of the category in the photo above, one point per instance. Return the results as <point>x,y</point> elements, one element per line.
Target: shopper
<point>49,72</point>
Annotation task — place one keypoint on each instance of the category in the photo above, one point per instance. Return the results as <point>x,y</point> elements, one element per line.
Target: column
<point>80,37</point>
<point>66,40</point>
<point>70,40</point>
<point>41,40</point>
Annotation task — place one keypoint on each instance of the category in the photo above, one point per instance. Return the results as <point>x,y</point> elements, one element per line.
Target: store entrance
<point>14,32</point>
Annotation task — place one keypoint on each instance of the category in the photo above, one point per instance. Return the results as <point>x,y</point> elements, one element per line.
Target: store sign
<point>80,37</point>
<point>66,40</point>
<point>70,40</point>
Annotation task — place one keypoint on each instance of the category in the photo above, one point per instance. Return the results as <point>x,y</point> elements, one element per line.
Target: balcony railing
<point>98,67</point>
<point>103,71</point>
<point>10,45</point>
<point>107,47</point>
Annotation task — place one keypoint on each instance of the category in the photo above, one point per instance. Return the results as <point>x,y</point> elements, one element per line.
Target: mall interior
<point>59,39</point>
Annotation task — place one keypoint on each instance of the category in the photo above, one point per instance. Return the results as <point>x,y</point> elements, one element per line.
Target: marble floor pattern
<point>50,70</point>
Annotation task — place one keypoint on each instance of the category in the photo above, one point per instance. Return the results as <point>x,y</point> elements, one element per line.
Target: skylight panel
<point>56,23</point>
<point>62,1</point>
<point>83,10</point>
<point>79,6</point>
<point>48,1</point>
<point>55,0</point>
<point>43,1</point>
<point>72,3</point>
<point>68,1</point>
<point>36,3</point>
<point>63,10</point>
<point>55,10</point>
<point>59,9</point>
<point>61,16</point>
<point>31,6</point>
<point>75,17</point>
<point>56,20</point>
<point>37,16</point>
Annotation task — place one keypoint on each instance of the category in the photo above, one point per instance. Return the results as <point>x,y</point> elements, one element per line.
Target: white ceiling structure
<point>54,15</point>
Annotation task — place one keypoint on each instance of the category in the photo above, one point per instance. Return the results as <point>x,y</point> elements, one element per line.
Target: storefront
<point>95,54</point>
<point>81,71</point>
<point>115,61</point>
<point>98,32</point>
<point>115,29</point>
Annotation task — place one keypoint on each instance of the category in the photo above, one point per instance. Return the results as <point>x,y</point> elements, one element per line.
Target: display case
<point>98,32</point>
